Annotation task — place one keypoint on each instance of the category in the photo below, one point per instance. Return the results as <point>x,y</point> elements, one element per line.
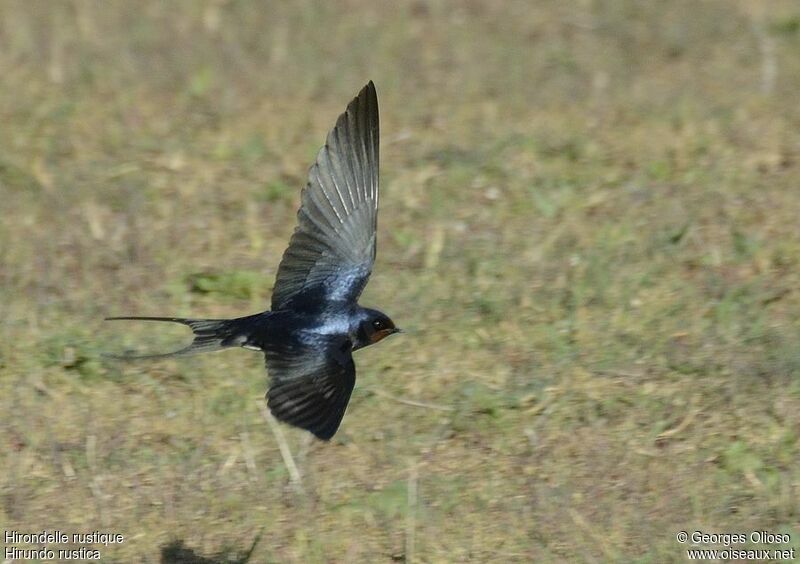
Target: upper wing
<point>332,250</point>
<point>310,384</point>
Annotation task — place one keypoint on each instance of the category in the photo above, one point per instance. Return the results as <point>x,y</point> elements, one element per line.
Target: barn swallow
<point>315,322</point>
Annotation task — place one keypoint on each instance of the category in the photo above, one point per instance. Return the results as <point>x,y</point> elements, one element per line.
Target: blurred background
<point>589,223</point>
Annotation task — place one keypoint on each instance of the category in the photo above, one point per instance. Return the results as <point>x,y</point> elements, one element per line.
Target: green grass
<point>588,225</point>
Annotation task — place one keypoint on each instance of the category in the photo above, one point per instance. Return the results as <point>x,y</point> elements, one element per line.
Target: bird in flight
<point>315,323</point>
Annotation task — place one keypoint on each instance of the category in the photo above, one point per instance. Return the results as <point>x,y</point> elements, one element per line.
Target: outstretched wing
<point>311,383</point>
<point>332,250</point>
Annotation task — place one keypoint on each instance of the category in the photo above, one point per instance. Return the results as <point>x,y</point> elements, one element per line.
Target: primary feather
<point>331,253</point>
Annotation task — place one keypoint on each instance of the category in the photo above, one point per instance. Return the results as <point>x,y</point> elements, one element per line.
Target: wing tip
<point>324,434</point>
<point>321,421</point>
<point>367,96</point>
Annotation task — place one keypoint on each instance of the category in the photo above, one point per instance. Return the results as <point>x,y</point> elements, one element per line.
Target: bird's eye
<point>377,324</point>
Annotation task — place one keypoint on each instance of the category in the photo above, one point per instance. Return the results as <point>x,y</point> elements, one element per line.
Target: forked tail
<point>209,335</point>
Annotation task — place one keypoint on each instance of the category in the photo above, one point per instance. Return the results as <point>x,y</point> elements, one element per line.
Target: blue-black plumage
<point>315,322</point>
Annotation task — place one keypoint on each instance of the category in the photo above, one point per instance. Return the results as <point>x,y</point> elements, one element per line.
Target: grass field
<point>589,226</point>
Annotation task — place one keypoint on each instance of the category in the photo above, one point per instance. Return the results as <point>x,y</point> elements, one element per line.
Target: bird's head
<point>375,326</point>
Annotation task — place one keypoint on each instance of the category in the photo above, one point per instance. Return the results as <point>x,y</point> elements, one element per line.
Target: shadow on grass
<point>176,552</point>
